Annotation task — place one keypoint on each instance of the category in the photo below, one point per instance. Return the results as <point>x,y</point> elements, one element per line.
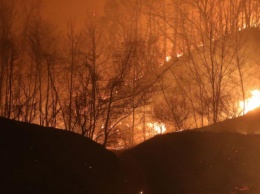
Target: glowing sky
<point>60,11</point>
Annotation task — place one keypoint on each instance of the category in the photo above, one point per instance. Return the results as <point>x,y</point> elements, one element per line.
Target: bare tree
<point>8,55</point>
<point>72,58</point>
<point>210,68</point>
<point>41,42</point>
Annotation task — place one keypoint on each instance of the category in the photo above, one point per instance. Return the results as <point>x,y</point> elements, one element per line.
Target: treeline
<point>107,79</point>
<point>215,42</point>
<point>83,80</point>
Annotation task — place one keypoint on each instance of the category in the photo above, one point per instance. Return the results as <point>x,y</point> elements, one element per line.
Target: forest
<point>141,69</point>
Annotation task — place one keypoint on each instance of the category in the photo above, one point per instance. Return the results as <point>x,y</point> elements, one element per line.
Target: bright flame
<point>157,127</point>
<point>243,27</point>
<point>168,58</point>
<point>251,103</point>
<point>179,54</point>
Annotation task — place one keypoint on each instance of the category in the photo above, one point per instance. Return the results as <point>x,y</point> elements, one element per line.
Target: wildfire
<point>251,103</point>
<point>157,127</point>
<point>168,58</point>
<point>179,54</point>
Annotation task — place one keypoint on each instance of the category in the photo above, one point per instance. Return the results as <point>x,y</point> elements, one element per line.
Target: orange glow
<point>159,128</point>
<point>243,27</point>
<point>179,54</point>
<point>251,103</point>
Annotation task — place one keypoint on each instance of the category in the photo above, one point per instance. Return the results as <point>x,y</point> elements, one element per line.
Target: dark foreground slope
<point>35,159</point>
<point>246,124</point>
<point>194,162</point>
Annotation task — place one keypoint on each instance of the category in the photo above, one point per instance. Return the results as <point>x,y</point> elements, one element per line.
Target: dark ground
<point>195,163</point>
<point>44,160</point>
<point>37,160</point>
<point>213,159</point>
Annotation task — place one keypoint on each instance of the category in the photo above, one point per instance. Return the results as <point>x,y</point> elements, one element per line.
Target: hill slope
<point>246,124</point>
<point>195,163</point>
<point>36,159</point>
<point>215,159</point>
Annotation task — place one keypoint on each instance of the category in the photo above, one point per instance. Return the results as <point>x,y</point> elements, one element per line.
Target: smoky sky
<point>60,11</point>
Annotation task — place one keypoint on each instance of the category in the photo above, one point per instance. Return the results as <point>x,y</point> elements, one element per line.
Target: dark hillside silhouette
<point>197,162</point>
<point>36,159</point>
<point>214,159</point>
<point>247,124</point>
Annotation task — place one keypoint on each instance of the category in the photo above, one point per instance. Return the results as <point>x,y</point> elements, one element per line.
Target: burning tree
<point>209,75</point>
<point>125,76</point>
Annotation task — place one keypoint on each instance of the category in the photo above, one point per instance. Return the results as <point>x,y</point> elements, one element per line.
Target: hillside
<point>37,159</point>
<point>185,91</point>
<point>213,160</point>
<point>199,161</point>
<point>196,163</point>
<point>247,124</point>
